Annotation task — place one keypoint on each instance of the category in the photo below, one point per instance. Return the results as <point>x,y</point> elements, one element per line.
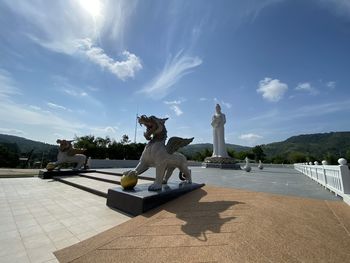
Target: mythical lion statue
<point>163,157</point>
<point>68,154</point>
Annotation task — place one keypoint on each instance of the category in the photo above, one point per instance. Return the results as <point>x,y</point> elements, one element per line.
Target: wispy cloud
<point>11,112</point>
<point>74,27</point>
<point>250,138</point>
<point>104,130</point>
<point>12,131</point>
<point>63,85</point>
<point>175,106</point>
<point>272,89</point>
<point>308,111</point>
<point>56,106</point>
<point>7,84</point>
<point>226,104</point>
<point>339,7</point>
<point>203,99</point>
<point>122,69</point>
<point>172,72</point>
<point>57,25</point>
<point>306,87</point>
<point>331,84</point>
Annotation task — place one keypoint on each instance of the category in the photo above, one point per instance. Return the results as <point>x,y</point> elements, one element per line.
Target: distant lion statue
<point>68,154</point>
<point>163,157</point>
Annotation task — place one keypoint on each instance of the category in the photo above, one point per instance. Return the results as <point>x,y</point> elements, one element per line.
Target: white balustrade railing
<point>334,177</point>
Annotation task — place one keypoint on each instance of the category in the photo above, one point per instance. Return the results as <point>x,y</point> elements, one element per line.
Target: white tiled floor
<point>38,217</point>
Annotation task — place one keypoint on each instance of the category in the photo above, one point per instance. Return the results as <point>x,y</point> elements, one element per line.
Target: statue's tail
<point>175,143</point>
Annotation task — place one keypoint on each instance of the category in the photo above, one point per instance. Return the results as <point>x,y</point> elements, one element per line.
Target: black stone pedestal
<point>45,174</point>
<point>221,162</point>
<point>140,200</point>
<point>233,166</point>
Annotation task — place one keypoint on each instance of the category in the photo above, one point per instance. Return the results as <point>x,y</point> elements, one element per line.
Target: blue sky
<point>71,68</point>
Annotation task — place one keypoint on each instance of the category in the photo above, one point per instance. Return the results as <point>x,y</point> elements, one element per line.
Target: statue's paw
<point>155,187</point>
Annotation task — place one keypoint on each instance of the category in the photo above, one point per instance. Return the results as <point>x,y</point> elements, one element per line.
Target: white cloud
<point>272,89</point>
<point>57,25</point>
<point>104,130</point>
<point>331,84</point>
<point>250,138</point>
<point>177,102</point>
<point>226,104</point>
<point>55,106</point>
<point>174,106</point>
<point>122,69</point>
<point>34,107</point>
<point>7,84</point>
<point>203,99</point>
<point>14,113</point>
<point>306,86</point>
<point>339,7</point>
<point>172,72</point>
<point>66,27</point>
<point>176,109</point>
<point>12,131</point>
<point>63,85</point>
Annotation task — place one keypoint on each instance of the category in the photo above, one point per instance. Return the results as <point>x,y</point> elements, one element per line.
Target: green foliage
<point>102,148</point>
<point>125,139</point>
<point>319,146</point>
<point>9,155</point>
<point>35,151</point>
<point>258,153</point>
<point>297,157</point>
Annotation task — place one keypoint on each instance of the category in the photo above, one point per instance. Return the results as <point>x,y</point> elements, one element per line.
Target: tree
<point>297,157</point>
<point>231,153</point>
<point>8,156</point>
<point>125,139</point>
<point>258,153</point>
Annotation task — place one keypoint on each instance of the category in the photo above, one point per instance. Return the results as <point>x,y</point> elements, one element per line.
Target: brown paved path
<point>225,225</point>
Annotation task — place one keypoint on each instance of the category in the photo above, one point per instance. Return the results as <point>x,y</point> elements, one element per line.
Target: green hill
<point>317,146</point>
<point>192,149</point>
<point>24,147</point>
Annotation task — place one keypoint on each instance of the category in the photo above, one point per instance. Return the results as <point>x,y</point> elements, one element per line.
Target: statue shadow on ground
<point>202,217</point>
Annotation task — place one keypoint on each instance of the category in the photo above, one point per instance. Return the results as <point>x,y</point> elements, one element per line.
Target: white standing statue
<point>247,166</point>
<point>218,122</point>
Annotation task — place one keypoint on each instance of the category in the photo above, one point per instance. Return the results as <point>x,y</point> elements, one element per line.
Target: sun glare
<point>93,7</point>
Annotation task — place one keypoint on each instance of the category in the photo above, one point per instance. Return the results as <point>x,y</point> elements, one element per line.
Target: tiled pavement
<point>38,217</point>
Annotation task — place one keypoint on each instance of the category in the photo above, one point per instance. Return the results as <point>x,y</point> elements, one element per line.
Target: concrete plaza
<point>273,215</point>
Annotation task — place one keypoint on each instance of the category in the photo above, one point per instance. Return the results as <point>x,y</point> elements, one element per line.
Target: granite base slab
<point>233,166</point>
<point>140,200</point>
<point>45,174</point>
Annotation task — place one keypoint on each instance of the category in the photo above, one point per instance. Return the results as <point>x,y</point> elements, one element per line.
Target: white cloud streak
<point>122,69</point>
<point>331,84</point>
<point>250,138</point>
<point>226,104</point>
<point>172,72</point>
<point>176,109</point>
<point>338,7</point>
<point>7,84</point>
<point>272,89</point>
<point>63,26</point>
<point>12,131</point>
<point>306,87</point>
<point>56,106</point>
<point>174,106</point>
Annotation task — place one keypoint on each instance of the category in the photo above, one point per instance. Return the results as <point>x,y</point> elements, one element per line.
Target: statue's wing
<point>175,143</point>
